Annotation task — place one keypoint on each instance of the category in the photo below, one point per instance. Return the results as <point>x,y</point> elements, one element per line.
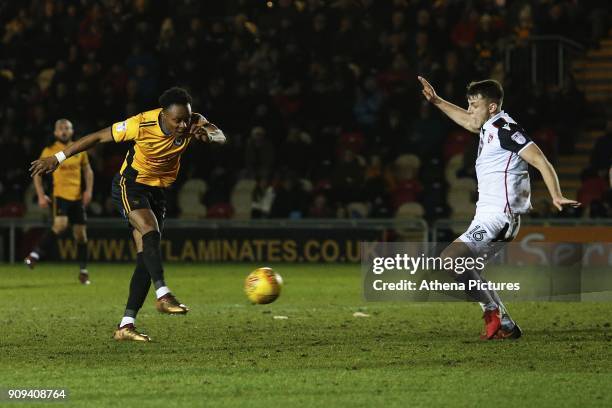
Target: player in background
<point>504,152</point>
<point>158,139</point>
<point>69,200</point>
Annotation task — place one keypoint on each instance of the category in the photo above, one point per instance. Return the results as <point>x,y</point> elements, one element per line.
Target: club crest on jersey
<point>178,141</point>
<point>518,138</point>
<point>490,138</point>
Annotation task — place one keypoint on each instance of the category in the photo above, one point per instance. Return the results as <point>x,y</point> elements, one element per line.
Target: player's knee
<point>151,240</point>
<point>80,235</point>
<point>449,257</point>
<point>59,226</point>
<point>147,228</point>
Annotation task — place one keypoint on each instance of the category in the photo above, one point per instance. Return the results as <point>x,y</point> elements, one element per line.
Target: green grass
<point>225,352</point>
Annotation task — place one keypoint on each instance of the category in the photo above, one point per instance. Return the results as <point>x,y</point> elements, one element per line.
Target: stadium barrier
<point>329,240</point>
<point>547,229</point>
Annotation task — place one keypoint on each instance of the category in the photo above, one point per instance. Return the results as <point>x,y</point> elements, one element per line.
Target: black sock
<point>46,244</point>
<point>139,287</point>
<point>82,254</point>
<point>152,257</point>
<point>479,295</point>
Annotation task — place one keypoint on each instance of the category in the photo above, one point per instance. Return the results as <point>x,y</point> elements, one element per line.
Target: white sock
<point>162,291</point>
<point>34,255</point>
<point>127,320</point>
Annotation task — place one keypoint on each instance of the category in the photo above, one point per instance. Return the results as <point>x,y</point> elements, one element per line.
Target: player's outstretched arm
<point>204,131</point>
<point>459,115</point>
<point>534,156</point>
<point>49,164</point>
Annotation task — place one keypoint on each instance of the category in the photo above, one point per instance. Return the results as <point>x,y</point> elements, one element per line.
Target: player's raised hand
<point>203,130</point>
<point>196,128</point>
<point>428,91</point>
<point>43,166</point>
<point>565,202</point>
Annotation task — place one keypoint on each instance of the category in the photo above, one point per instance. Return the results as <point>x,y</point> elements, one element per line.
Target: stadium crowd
<point>319,99</point>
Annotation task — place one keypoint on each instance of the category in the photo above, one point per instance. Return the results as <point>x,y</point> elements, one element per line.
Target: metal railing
<point>545,60</point>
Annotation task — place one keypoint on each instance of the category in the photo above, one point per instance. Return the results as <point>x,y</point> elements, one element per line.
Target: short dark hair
<point>489,89</point>
<point>174,96</point>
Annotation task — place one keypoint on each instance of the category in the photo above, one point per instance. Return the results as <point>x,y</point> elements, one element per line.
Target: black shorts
<point>129,195</point>
<point>73,209</point>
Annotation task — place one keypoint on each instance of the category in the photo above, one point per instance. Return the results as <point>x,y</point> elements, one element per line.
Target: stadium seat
<point>410,210</point>
<point>452,167</point>
<point>456,143</point>
<point>242,198</point>
<point>190,199</point>
<point>220,211</point>
<point>406,191</point>
<point>593,188</point>
<point>406,166</point>
<point>357,210</point>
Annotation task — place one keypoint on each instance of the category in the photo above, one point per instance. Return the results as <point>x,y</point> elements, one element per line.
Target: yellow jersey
<point>154,158</point>
<point>67,177</point>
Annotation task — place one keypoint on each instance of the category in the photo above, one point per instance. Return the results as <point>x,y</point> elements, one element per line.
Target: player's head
<point>63,130</point>
<point>176,110</point>
<point>485,99</point>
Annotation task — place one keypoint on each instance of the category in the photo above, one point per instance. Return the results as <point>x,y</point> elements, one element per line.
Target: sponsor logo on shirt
<point>121,127</point>
<point>518,138</point>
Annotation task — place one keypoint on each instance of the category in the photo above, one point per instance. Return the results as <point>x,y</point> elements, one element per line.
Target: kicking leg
<point>145,222</point>
<point>458,249</point>
<point>509,328</point>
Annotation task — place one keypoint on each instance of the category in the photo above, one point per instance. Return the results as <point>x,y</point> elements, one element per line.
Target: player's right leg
<point>49,239</point>
<point>485,237</point>
<point>146,223</point>
<point>78,220</point>
<point>134,203</point>
<point>491,316</point>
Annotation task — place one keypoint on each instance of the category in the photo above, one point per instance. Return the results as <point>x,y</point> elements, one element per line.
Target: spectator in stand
<point>289,83</point>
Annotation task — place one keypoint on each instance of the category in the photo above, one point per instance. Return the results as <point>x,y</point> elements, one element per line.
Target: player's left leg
<point>78,219</point>
<point>79,232</point>
<point>48,241</point>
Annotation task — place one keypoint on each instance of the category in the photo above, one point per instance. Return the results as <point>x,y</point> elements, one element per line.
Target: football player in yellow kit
<point>69,199</point>
<point>159,137</point>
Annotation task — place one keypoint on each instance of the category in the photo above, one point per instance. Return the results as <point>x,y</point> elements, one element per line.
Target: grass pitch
<point>226,352</point>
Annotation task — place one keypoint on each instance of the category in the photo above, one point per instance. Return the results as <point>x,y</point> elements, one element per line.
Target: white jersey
<point>503,180</point>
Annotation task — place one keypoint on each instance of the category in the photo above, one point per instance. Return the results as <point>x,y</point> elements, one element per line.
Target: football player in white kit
<point>504,152</point>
